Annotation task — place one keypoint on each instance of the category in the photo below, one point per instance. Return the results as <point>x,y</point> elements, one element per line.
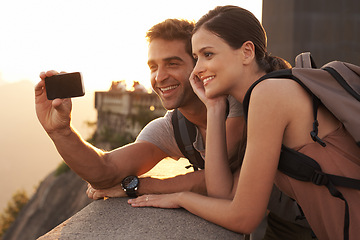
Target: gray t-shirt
<point>160,132</point>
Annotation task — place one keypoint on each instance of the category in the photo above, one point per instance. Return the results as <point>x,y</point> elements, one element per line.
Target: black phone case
<point>66,85</point>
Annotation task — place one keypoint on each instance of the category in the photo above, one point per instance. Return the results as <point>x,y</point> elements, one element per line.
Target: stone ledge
<point>114,218</point>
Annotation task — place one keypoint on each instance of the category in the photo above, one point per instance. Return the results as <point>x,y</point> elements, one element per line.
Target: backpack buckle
<point>314,134</point>
<point>319,178</point>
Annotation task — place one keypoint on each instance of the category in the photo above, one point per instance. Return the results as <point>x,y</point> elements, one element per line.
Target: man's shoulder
<point>160,120</point>
<point>166,119</point>
<point>159,124</point>
<point>160,132</point>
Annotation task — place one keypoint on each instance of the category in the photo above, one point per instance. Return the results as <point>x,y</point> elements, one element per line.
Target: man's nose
<point>161,74</point>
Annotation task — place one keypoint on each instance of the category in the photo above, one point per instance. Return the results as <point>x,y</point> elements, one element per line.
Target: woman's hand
<point>159,201</point>
<point>199,90</point>
<point>198,87</point>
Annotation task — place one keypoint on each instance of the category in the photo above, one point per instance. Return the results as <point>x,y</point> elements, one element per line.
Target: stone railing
<point>114,218</point>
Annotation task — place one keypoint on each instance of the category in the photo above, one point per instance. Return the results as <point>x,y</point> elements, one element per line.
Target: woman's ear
<point>248,51</point>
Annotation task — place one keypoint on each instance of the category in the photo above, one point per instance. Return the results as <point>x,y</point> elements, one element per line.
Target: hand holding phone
<point>64,85</point>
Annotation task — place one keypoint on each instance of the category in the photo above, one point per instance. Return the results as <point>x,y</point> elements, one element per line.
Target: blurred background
<point>106,42</point>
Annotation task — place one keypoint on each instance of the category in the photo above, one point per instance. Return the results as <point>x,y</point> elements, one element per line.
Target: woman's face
<point>218,65</point>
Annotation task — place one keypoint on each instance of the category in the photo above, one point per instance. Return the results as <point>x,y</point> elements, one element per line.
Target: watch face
<point>130,182</point>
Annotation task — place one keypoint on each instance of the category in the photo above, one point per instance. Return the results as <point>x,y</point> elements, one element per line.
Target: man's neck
<point>195,113</point>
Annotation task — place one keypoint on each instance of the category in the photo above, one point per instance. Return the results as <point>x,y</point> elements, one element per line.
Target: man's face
<point>170,69</point>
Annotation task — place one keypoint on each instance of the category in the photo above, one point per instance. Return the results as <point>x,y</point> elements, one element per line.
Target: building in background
<point>123,113</point>
<point>329,29</point>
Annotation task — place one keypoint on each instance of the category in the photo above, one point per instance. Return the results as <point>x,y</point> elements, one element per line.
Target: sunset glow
<point>104,40</point>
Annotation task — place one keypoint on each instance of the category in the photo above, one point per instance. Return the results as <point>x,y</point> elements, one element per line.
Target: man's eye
<point>152,68</point>
<point>173,64</point>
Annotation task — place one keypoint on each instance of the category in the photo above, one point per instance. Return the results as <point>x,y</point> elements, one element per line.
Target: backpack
<point>185,135</point>
<point>337,86</point>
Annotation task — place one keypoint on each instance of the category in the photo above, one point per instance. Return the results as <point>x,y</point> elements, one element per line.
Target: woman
<point>230,46</point>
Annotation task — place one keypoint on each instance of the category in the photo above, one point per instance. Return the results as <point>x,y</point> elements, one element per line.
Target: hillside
<point>57,199</point>
<point>27,154</point>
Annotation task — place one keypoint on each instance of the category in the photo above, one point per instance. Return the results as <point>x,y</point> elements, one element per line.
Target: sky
<point>104,40</point>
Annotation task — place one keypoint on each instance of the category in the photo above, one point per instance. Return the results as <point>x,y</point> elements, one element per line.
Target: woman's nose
<point>198,69</point>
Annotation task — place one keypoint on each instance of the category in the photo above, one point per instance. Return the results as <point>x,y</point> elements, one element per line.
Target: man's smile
<point>164,89</point>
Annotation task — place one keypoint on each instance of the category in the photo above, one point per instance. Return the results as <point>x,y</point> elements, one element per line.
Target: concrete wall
<point>115,219</point>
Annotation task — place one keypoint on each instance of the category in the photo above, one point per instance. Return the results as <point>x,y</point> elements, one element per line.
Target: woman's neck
<point>244,84</point>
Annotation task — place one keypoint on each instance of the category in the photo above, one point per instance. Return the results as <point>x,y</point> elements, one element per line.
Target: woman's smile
<point>207,80</point>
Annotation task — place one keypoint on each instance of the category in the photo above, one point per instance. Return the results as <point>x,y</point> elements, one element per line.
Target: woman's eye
<point>208,54</point>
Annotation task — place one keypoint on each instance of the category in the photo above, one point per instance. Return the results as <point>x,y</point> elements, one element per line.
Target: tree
<point>18,201</point>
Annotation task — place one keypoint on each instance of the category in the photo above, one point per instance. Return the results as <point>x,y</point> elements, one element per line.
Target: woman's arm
<point>218,177</point>
<point>266,124</point>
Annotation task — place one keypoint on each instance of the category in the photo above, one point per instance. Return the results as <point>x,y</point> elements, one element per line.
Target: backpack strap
<point>185,134</point>
<point>314,133</point>
<point>303,168</point>
<point>286,73</point>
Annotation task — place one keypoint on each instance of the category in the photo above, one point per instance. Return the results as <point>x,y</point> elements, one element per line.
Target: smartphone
<point>64,85</point>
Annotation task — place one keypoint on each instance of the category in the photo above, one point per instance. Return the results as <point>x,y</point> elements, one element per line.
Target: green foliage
<point>143,117</point>
<point>18,201</point>
<point>114,139</point>
<point>62,168</point>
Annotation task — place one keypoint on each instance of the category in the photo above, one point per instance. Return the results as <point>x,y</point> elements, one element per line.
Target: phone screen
<point>64,85</point>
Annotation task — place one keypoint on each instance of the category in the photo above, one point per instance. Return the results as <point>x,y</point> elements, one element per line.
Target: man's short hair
<point>173,29</point>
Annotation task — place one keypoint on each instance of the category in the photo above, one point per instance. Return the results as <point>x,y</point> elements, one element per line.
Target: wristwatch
<point>130,185</point>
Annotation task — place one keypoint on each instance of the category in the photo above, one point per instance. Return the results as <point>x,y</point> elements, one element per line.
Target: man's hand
<point>115,191</point>
<point>53,115</point>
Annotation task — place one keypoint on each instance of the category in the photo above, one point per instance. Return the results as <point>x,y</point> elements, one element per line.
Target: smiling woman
<point>104,41</point>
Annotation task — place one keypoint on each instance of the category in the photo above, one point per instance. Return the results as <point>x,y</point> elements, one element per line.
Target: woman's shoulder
<point>280,97</point>
<point>280,90</point>
<point>278,85</point>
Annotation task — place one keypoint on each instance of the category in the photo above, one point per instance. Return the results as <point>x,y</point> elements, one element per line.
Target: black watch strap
<point>130,185</point>
<point>131,192</point>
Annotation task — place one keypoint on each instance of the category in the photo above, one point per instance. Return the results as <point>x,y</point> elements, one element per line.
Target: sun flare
<point>103,40</point>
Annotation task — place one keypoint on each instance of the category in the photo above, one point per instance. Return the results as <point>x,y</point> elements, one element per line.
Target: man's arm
<point>99,168</point>
<point>103,169</point>
<point>192,182</point>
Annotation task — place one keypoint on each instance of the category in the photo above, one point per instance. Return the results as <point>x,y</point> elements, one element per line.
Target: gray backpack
<point>339,93</point>
<point>337,86</point>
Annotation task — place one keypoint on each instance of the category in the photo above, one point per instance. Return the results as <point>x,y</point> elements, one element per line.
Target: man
<point>170,63</point>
